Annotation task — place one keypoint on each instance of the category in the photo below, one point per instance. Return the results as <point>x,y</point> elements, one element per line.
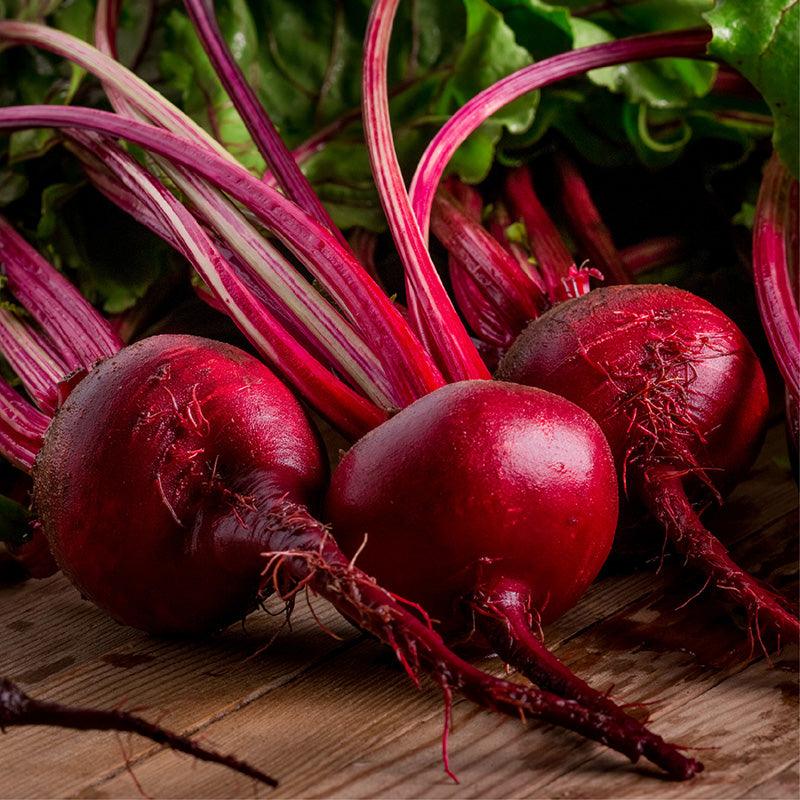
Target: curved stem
<point>80,335</point>
<point>296,303</point>
<point>677,44</point>
<point>407,362</point>
<point>651,254</point>
<point>504,616</point>
<point>349,411</point>
<point>17,709</point>
<point>380,322</point>
<point>22,428</point>
<point>281,162</point>
<point>491,267</point>
<point>774,242</point>
<point>303,553</point>
<point>33,359</point>
<point>431,310</point>
<point>665,497</point>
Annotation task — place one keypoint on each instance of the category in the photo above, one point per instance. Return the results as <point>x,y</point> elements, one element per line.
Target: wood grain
<point>334,717</point>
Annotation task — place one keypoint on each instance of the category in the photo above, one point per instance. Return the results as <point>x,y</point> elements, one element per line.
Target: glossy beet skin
<point>668,376</point>
<point>151,470</point>
<point>681,397</point>
<point>477,482</point>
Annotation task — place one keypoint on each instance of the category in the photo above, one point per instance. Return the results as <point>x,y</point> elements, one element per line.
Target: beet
<point>478,482</point>
<point>489,504</point>
<point>681,397</point>
<point>152,467</point>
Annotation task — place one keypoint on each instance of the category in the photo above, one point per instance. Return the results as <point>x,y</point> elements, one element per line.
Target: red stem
<point>509,292</point>
<point>587,225</point>
<point>652,254</point>
<point>380,322</point>
<point>774,244</point>
<point>553,258</point>
<point>431,310</point>
<point>22,428</point>
<point>280,160</point>
<point>432,165</point>
<point>79,333</point>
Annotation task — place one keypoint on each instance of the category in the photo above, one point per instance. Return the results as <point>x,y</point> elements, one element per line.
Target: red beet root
<point>153,466</point>
<point>484,502</point>
<point>474,482</point>
<point>681,397</point>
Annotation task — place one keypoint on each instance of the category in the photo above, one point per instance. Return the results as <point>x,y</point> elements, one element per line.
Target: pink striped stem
<point>33,359</point>
<point>22,428</point>
<point>80,335</point>
<point>297,303</point>
<point>490,266</point>
<point>280,160</point>
<point>113,74</point>
<point>774,237</point>
<point>486,321</point>
<point>347,410</point>
<point>499,222</point>
<point>586,224</point>
<point>431,310</point>
<point>675,44</point>
<point>407,363</point>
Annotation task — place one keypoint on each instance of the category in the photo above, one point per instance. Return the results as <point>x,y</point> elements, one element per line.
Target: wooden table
<point>334,717</point>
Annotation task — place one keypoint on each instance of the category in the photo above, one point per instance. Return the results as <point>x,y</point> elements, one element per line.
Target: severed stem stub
<point>17,709</point>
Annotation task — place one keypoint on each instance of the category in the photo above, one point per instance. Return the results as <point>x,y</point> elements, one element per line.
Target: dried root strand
<point>17,709</point>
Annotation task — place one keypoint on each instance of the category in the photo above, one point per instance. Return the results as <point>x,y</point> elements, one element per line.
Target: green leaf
<point>12,186</point>
<point>760,40</point>
<point>443,53</point>
<point>543,29</point>
<point>664,83</point>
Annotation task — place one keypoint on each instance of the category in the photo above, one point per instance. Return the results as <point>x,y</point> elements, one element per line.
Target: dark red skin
<point>616,350</point>
<point>151,469</point>
<point>476,482</point>
<point>682,399</point>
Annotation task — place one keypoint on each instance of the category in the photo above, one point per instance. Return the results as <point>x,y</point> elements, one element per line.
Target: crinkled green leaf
<point>664,83</point>
<point>760,39</point>
<point>443,52</point>
<point>543,29</point>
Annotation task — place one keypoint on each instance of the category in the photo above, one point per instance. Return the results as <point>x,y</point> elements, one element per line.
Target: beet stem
<point>587,224</point>
<point>504,617</point>
<point>665,496</point>
<point>17,708</point>
<point>315,560</point>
